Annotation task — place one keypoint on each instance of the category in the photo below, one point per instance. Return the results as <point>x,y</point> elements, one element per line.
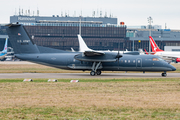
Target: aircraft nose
<point>173,68</point>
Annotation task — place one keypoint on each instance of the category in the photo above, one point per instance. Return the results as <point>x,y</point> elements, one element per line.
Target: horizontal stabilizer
<point>12,25</point>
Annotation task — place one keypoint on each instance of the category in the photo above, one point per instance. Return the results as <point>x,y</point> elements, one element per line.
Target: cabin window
<point>155,59</point>
<point>134,61</point>
<point>121,61</point>
<point>125,61</point>
<point>128,61</point>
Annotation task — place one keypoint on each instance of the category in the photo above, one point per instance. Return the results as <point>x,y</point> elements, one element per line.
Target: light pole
<point>80,26</point>
<point>134,37</point>
<point>150,20</point>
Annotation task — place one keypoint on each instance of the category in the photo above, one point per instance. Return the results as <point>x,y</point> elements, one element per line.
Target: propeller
<point>118,55</point>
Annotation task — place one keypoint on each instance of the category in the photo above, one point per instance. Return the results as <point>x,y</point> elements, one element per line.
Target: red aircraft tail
<point>146,51</point>
<point>154,46</point>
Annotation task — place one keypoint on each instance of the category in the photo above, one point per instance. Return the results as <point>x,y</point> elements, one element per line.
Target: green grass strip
<point>91,113</point>
<point>97,80</point>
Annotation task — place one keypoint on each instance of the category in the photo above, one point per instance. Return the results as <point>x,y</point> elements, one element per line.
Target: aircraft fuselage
<point>125,63</point>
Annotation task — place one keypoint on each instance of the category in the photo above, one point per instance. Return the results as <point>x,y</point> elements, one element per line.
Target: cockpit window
<point>155,59</point>
<point>160,59</point>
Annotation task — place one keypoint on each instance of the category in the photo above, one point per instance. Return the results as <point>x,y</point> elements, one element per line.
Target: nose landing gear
<point>164,74</point>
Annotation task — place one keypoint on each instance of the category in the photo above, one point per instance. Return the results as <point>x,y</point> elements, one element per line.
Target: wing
<point>171,57</point>
<point>93,53</point>
<point>94,56</point>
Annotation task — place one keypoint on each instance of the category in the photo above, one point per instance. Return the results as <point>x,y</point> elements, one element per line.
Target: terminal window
<point>175,49</point>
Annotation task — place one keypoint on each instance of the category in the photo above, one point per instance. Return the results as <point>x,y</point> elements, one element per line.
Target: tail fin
<point>20,40</point>
<point>146,51</point>
<point>154,46</point>
<point>72,49</point>
<point>5,46</point>
<point>82,45</point>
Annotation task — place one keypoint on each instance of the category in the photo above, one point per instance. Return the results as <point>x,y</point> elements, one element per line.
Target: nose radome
<point>173,68</point>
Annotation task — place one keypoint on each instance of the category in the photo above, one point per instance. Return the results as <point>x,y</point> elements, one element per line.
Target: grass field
<point>91,99</point>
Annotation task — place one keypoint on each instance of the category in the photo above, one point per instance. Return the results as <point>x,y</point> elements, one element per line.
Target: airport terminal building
<point>61,32</point>
<point>100,33</point>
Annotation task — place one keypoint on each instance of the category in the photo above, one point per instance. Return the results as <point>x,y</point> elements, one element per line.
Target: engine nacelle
<point>177,60</point>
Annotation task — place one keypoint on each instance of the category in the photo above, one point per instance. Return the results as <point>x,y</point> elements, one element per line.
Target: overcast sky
<point>132,12</point>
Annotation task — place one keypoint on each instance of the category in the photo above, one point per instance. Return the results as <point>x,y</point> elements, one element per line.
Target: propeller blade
<point>118,55</point>
<point>118,61</point>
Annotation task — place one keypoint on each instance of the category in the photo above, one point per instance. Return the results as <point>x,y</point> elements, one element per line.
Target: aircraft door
<point>138,63</point>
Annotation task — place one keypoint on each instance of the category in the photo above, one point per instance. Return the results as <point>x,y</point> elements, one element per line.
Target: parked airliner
<point>4,52</point>
<point>164,54</point>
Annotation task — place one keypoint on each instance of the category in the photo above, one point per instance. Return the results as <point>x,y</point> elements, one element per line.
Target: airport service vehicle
<point>95,61</point>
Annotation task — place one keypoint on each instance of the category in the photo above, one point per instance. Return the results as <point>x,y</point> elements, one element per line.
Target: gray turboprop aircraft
<point>95,61</point>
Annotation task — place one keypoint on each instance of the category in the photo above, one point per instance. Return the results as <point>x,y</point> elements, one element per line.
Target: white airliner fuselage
<point>168,55</point>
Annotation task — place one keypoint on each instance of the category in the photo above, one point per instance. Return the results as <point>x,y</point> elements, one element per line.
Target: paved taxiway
<point>79,75</point>
<point>86,75</point>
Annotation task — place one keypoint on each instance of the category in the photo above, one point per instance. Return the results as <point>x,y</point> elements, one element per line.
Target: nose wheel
<point>164,74</point>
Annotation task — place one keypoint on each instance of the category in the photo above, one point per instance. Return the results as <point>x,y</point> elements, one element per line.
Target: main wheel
<point>98,72</point>
<point>92,73</point>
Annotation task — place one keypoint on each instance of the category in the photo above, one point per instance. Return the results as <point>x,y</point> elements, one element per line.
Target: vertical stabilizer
<point>5,46</point>
<point>82,45</point>
<point>154,46</point>
<point>146,51</point>
<point>20,40</point>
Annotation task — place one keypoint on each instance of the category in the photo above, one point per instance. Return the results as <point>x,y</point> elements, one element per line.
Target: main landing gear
<point>93,73</point>
<point>164,74</point>
<point>94,69</point>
